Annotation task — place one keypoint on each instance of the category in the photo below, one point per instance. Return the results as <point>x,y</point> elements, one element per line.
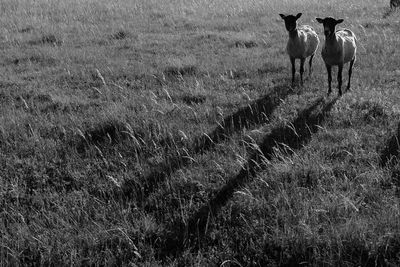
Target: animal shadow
<point>294,136</point>
<point>256,113</point>
<point>391,151</point>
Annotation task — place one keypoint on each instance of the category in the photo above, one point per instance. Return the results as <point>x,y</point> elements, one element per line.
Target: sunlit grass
<point>95,96</point>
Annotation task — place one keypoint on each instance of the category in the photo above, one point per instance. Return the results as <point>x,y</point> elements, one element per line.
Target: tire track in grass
<point>256,113</point>
<point>290,137</point>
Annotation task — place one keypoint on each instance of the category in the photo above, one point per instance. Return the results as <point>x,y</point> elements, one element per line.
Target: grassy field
<point>166,133</point>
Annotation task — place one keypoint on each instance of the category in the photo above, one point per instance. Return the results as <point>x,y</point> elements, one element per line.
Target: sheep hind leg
<point>339,78</point>
<point>350,72</point>
<point>329,70</point>
<point>302,60</point>
<point>292,61</point>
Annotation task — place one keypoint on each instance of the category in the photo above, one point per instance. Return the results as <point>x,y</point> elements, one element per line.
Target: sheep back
<point>343,51</point>
<point>305,44</point>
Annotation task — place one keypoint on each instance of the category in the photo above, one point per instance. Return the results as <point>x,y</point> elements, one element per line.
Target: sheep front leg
<point>302,60</point>
<point>339,78</point>
<point>310,63</point>
<point>329,70</point>
<point>292,60</point>
<point>350,72</point>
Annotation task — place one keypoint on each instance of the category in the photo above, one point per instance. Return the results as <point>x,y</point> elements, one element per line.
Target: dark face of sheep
<point>290,21</point>
<point>329,25</point>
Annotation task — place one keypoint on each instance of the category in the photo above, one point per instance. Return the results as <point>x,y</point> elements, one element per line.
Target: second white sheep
<point>340,48</point>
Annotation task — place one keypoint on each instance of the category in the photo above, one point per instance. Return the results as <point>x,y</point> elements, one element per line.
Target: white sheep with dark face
<point>303,42</point>
<point>339,48</point>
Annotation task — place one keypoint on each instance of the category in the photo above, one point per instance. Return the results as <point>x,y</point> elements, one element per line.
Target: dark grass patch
<point>119,35</point>
<point>245,44</point>
<point>157,15</point>
<point>109,133</point>
<point>44,103</point>
<point>238,74</point>
<point>29,100</point>
<point>391,151</point>
<point>183,66</point>
<point>395,179</point>
<point>41,60</point>
<point>81,81</point>
<point>36,177</point>
<point>47,39</point>
<point>5,98</point>
<point>211,38</point>
<point>193,99</point>
<point>226,39</point>
<point>106,133</point>
<point>122,250</point>
<point>227,28</point>
<point>318,252</point>
<point>180,70</point>
<point>370,111</point>
<point>26,29</point>
<point>61,179</point>
<point>71,107</point>
<point>389,11</point>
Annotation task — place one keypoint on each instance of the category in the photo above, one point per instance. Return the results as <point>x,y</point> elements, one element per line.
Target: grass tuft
<point>181,67</point>
<point>47,39</point>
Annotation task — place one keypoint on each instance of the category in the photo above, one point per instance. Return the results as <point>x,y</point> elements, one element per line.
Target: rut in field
<point>254,114</point>
<point>293,136</point>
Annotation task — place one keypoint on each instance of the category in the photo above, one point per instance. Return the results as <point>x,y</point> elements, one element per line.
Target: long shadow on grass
<point>392,149</point>
<point>289,137</point>
<point>254,114</point>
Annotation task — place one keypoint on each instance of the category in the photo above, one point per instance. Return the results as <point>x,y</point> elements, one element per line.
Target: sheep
<point>394,4</point>
<point>339,48</point>
<point>303,42</point>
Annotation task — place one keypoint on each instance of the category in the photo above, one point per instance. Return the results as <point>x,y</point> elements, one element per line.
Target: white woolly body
<point>303,43</point>
<point>340,48</point>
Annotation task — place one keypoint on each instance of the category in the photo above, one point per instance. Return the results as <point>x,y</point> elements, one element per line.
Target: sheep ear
<point>282,16</point>
<point>339,21</point>
<point>320,20</point>
<point>298,15</point>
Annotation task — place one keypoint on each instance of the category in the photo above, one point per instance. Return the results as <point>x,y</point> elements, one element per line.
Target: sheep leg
<point>339,78</point>
<point>329,70</point>
<point>292,60</point>
<point>310,63</point>
<point>350,72</point>
<point>302,60</point>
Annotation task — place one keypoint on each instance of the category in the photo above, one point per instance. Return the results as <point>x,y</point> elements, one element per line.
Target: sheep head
<point>290,21</point>
<point>329,25</point>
